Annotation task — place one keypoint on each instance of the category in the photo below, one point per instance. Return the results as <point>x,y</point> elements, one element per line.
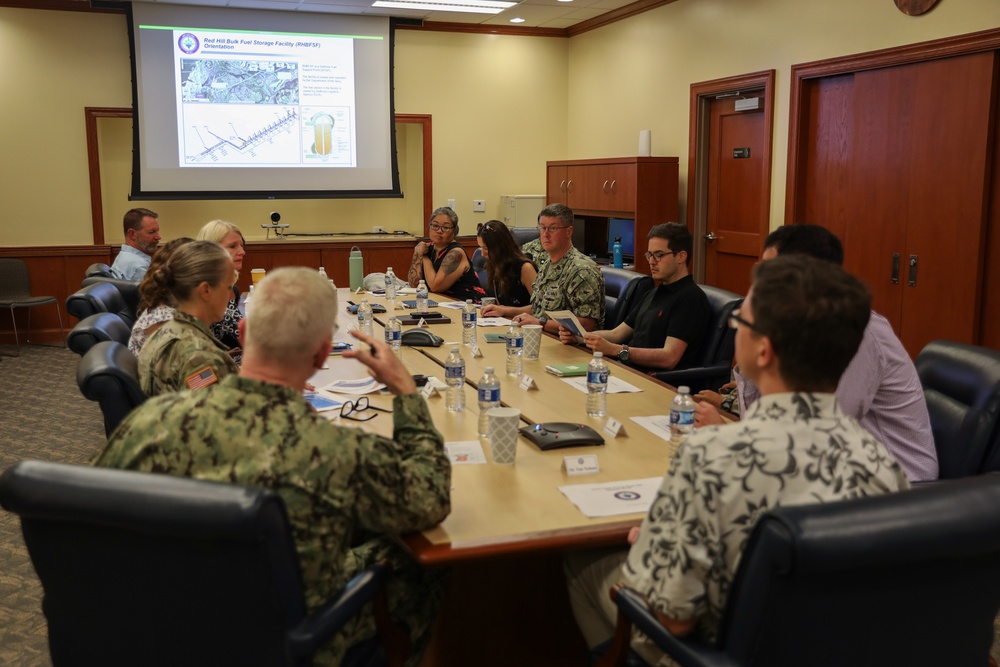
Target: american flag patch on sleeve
<point>202,378</point>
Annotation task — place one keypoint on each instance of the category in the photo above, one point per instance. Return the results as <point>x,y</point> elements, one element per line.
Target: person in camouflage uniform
<point>182,353</point>
<point>341,486</point>
<point>534,250</point>
<point>569,281</point>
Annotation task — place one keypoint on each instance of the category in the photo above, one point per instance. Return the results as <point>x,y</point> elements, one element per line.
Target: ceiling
<point>536,13</point>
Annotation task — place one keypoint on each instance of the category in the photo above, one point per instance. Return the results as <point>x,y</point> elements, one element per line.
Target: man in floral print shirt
<point>797,331</point>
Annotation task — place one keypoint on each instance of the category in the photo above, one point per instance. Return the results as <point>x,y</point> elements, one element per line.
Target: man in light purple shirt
<point>880,387</point>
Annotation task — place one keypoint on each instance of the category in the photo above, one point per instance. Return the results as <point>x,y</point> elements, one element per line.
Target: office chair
<point>96,328</point>
<point>98,269</point>
<point>909,578</point>
<point>129,290</point>
<point>623,289</point>
<point>716,362</point>
<point>109,374</point>
<point>962,387</point>
<point>15,292</point>
<point>479,266</point>
<point>99,297</point>
<point>524,234</point>
<point>147,569</point>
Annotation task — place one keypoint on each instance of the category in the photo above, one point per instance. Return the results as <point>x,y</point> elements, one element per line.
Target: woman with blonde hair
<point>183,354</point>
<point>229,237</point>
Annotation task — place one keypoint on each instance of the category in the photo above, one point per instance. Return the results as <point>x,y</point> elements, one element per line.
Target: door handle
<point>605,187</point>
<point>569,185</point>
<point>613,186</point>
<point>562,185</point>
<point>912,282</point>
<point>894,279</point>
<point>711,237</point>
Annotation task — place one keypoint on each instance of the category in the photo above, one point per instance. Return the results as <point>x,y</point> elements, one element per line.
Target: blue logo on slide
<point>188,43</point>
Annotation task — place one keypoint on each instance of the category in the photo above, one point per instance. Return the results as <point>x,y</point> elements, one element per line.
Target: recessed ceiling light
<point>468,6</point>
<point>565,0</point>
<point>517,20</point>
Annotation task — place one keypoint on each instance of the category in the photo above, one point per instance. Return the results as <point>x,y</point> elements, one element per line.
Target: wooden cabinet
<point>641,188</point>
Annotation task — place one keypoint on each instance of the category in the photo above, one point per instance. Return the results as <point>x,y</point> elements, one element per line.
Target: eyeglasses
<point>658,255</point>
<point>551,230</point>
<point>350,410</point>
<point>439,228</point>
<point>735,319</point>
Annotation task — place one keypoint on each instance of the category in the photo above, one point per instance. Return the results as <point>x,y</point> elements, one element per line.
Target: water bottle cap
<point>468,300</point>
<point>488,369</point>
<point>389,269</point>
<point>454,349</point>
<point>598,355</point>
<point>683,390</point>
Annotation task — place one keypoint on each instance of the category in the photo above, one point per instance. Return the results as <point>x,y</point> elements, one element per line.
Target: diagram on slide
<point>248,135</point>
<point>326,135</point>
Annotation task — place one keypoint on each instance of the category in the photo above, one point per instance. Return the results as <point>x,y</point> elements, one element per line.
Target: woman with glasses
<point>510,274</point>
<point>183,353</point>
<point>229,237</point>
<point>442,263</point>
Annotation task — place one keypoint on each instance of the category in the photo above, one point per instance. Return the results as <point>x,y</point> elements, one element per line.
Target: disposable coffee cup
<point>489,301</point>
<point>503,434</point>
<point>256,275</point>
<point>532,340</point>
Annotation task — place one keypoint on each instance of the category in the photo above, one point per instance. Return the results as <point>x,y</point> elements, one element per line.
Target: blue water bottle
<point>616,250</point>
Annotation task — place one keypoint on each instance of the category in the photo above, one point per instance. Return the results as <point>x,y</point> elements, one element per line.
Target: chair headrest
<point>110,369</point>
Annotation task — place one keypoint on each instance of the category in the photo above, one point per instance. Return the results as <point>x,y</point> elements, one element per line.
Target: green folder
<point>567,370</point>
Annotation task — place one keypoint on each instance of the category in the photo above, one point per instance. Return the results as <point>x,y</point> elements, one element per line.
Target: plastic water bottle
<point>681,416</point>
<point>469,323</point>
<point>365,317</point>
<point>515,349</point>
<point>616,251</point>
<point>597,386</point>
<point>422,297</point>
<point>394,335</point>
<point>454,375</point>
<point>390,285</point>
<point>489,397</point>
<point>322,273</point>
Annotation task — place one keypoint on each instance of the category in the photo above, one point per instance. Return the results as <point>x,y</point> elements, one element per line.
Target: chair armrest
<point>317,629</point>
<point>688,652</point>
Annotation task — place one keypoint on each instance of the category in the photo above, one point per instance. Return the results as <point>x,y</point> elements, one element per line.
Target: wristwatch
<point>623,354</point>
<point>543,320</point>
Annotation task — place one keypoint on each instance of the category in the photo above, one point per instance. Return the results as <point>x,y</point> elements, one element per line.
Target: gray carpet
<point>42,416</point>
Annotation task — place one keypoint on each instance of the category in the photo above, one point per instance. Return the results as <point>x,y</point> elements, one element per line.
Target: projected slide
<point>257,99</point>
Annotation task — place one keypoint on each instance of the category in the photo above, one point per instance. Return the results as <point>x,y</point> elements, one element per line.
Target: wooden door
<point>736,194</point>
<point>917,189</point>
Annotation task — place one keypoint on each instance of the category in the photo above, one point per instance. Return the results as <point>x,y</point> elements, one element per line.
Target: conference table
<point>506,519</point>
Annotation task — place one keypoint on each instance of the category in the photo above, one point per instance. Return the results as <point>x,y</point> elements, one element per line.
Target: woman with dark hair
<point>156,304</point>
<point>198,278</point>
<point>510,274</point>
<point>442,263</point>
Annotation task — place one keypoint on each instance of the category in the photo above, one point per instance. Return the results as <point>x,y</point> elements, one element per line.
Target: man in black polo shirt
<point>667,328</point>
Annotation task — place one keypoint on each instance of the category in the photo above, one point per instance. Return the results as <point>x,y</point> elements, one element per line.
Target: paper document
<point>568,321</point>
<point>465,452</point>
<point>658,425</point>
<point>615,385</point>
<point>359,386</point>
<point>613,498</point>
<point>454,305</point>
<point>322,402</point>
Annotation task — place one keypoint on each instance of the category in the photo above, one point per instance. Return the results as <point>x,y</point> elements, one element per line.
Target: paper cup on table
<point>503,433</point>
<point>488,301</point>
<point>532,340</point>
<point>256,275</point>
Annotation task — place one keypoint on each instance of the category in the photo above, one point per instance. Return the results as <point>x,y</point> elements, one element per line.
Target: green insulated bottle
<point>357,267</point>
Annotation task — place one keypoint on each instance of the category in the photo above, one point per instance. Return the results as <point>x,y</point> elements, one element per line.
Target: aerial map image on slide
<point>239,81</point>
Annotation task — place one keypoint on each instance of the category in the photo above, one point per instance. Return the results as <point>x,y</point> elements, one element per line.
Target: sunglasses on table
<point>353,409</point>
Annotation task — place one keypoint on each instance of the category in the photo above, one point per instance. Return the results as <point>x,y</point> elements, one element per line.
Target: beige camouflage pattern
<point>343,487</point>
<point>536,252</point>
<point>573,283</point>
<point>179,348</point>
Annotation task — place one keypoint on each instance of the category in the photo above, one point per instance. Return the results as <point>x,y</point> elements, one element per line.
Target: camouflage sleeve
<point>407,479</point>
<point>186,358</point>
<point>585,291</point>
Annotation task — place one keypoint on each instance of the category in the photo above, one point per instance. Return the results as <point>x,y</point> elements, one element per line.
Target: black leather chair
<point>95,329</point>
<point>623,289</point>
<point>962,387</point>
<point>911,578</point>
<point>98,269</point>
<point>524,234</point>
<point>109,374</point>
<point>99,297</point>
<point>146,569</point>
<point>716,363</point>
<point>479,266</point>
<point>129,290</point>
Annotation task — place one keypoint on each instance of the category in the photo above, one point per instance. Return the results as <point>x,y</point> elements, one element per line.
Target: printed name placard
<point>614,428</point>
<point>476,352</point>
<point>527,383</point>
<point>429,390</point>
<point>422,323</point>
<point>581,465</point>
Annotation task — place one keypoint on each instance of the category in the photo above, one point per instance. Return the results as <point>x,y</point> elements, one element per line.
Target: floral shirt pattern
<point>790,449</point>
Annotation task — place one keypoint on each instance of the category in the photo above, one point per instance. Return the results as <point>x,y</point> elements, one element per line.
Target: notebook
<point>567,370</point>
